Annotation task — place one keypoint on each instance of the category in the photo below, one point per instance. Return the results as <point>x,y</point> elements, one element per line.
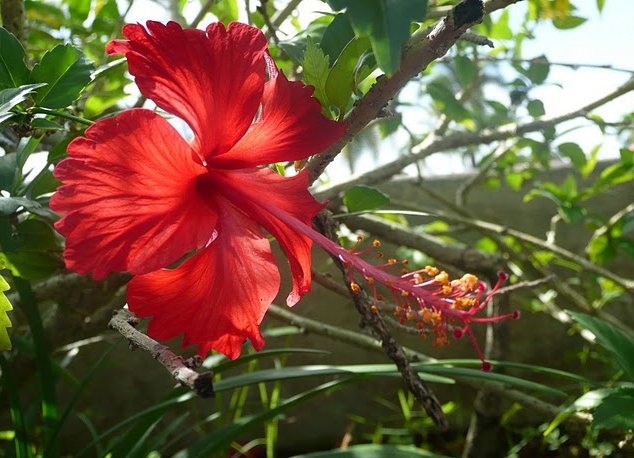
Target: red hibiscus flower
<point>137,197</point>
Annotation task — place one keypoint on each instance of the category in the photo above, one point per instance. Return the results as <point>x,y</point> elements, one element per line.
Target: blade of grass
<point>21,439</point>
<point>78,393</point>
<point>224,436</point>
<point>271,375</point>
<point>43,359</point>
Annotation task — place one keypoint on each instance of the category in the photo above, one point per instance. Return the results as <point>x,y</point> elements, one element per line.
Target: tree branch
<point>462,139</point>
<point>419,52</point>
<point>124,321</point>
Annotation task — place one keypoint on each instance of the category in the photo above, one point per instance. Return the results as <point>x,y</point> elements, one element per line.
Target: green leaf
<point>336,36</point>
<point>536,108</point>
<point>373,451</point>
<point>5,322</point>
<point>8,177</point>
<point>618,342</point>
<point>615,411</point>
<point>362,198</point>
<point>47,124</point>
<point>466,70</point>
<point>386,23</point>
<point>445,101</point>
<point>316,67</point>
<point>568,22</point>
<point>501,30</point>
<point>79,9</point>
<point>13,70</point>
<point>9,205</point>
<point>538,70</point>
<point>574,153</point>
<point>11,97</point>
<point>226,11</point>
<point>67,71</point>
<point>31,265</point>
<point>340,82</point>
<point>36,235</point>
<point>601,249</point>
<point>589,400</point>
<point>600,5</point>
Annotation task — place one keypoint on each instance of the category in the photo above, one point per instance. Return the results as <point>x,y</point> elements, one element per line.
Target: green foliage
<point>386,23</point>
<point>13,71</point>
<point>10,98</point>
<point>66,71</point>
<point>5,321</point>
<point>316,67</point>
<point>363,198</point>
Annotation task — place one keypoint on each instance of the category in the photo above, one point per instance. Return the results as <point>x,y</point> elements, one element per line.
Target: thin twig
<point>463,139</point>
<point>392,348</point>
<point>124,321</point>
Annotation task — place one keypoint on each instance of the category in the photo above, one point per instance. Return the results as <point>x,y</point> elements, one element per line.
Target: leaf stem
<point>61,114</point>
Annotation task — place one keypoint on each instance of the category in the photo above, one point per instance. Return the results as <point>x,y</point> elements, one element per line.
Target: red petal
<point>218,297</point>
<point>129,197</point>
<point>213,80</point>
<point>252,190</point>
<point>291,128</point>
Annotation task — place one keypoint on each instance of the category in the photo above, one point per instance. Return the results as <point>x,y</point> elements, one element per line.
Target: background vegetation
<point>529,199</point>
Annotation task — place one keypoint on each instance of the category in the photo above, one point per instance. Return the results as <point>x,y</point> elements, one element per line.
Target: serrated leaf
<point>316,67</point>
<point>5,321</point>
<point>386,23</point>
<point>363,198</point>
<point>11,97</point>
<point>13,70</point>
<point>618,342</point>
<point>616,411</point>
<point>67,71</point>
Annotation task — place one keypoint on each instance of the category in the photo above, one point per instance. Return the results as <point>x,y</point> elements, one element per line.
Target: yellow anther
<point>469,281</point>
<point>464,303</point>
<point>431,271</point>
<point>391,261</point>
<point>426,315</point>
<point>397,311</point>
<point>404,271</point>
<point>442,278</point>
<point>374,309</point>
<point>379,255</point>
<point>418,279</point>
<point>405,293</point>
<point>447,290</point>
<point>370,280</point>
<point>411,315</point>
<point>355,287</point>
<point>404,261</point>
<point>420,325</point>
<point>376,243</point>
